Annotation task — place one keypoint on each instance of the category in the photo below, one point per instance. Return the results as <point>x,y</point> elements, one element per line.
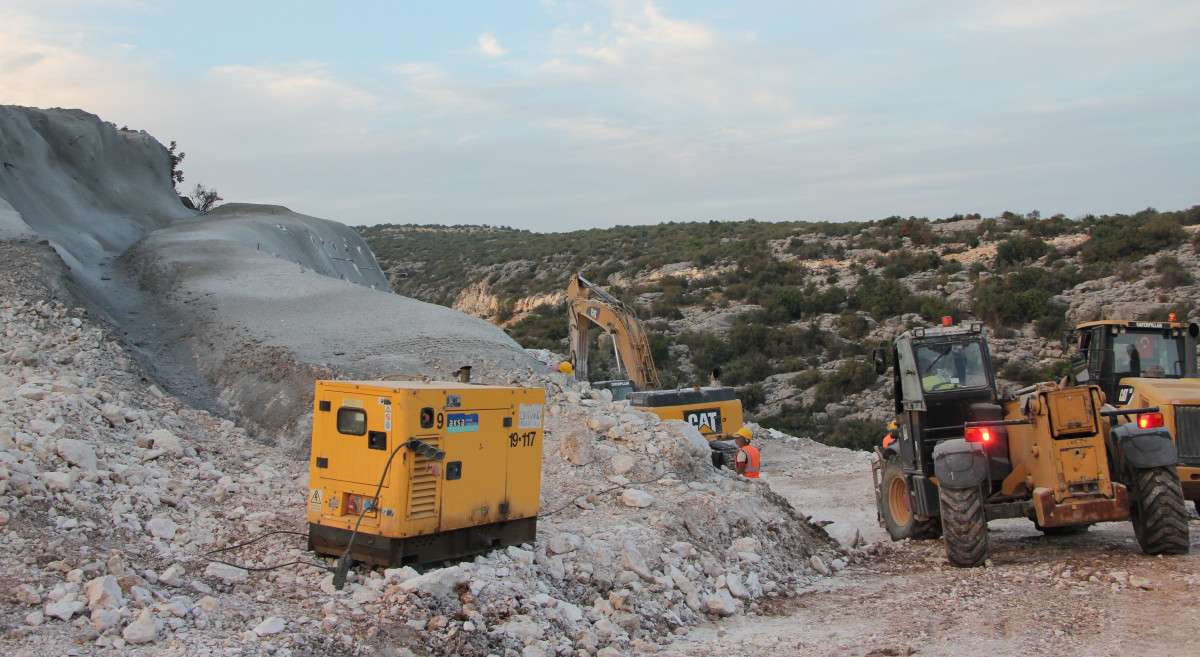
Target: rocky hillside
<point>788,310</point>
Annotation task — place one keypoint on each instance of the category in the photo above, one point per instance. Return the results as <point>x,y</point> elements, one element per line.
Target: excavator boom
<point>587,303</point>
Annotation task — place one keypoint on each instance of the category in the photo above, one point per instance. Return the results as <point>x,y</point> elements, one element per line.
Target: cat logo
<point>707,420</point>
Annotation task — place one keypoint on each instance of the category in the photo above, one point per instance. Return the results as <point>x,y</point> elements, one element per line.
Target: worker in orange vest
<point>748,462</point>
<point>891,434</point>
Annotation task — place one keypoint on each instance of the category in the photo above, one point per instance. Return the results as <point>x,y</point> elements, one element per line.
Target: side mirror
<point>879,356</point>
<point>1079,371</point>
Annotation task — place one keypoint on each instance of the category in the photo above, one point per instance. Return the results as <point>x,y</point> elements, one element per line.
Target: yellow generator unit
<point>457,468</point>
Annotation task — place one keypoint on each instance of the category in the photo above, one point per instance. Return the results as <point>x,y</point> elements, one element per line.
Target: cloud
<point>489,46</point>
<point>301,86</point>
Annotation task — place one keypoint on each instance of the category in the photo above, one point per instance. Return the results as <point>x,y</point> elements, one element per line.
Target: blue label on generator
<point>462,422</point>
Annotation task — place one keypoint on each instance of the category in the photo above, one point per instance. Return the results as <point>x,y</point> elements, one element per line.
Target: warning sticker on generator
<point>314,497</point>
<point>462,422</point>
<point>530,416</point>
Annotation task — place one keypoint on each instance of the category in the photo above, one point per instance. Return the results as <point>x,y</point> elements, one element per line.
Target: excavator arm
<point>588,304</point>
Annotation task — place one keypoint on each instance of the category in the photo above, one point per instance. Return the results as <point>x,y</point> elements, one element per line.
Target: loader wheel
<point>1160,519</point>
<point>897,513</point>
<point>964,526</point>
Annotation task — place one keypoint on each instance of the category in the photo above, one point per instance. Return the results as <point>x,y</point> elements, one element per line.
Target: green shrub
<point>855,434</point>
<point>851,377</point>
<point>544,328</point>
<point>806,379</point>
<point>1019,250</point>
<point>1171,273</point>
<point>1026,374</point>
<point>852,326</point>
<point>1053,323</point>
<point>1122,237</point>
<point>899,264</point>
<point>747,368</point>
<point>752,396</point>
<point>1021,296</point>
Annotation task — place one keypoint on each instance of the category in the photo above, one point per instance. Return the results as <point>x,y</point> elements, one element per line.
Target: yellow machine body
<point>716,412</point>
<point>1177,398</point>
<point>463,469</point>
<point>1060,458</point>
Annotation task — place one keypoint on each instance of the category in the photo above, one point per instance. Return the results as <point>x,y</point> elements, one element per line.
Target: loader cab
<point>942,377</point>
<point>1108,351</point>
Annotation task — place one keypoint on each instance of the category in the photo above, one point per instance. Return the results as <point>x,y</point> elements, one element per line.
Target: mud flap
<point>1140,449</point>
<point>960,464</point>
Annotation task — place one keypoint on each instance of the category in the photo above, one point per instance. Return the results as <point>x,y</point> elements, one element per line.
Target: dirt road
<point>1093,594</point>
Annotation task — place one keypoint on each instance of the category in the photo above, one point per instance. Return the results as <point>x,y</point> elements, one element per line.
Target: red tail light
<point>979,435</point>
<point>1149,420</point>
<point>947,320</point>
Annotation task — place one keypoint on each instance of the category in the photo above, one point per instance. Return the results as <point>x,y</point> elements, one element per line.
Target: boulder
<point>441,582</point>
<point>226,573</point>
<point>166,441</point>
<point>721,603</point>
<point>103,593</point>
<point>161,527</point>
<point>638,499</point>
<point>143,629</point>
<point>269,626</point>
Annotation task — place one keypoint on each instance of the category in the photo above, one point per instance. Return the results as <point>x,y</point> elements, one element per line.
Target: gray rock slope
<point>237,309</point>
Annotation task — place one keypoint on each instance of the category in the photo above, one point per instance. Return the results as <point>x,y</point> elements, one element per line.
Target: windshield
<point>950,366</point>
<point>1150,354</point>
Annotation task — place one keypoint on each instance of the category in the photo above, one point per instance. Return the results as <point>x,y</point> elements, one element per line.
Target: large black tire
<point>1159,514</point>
<point>898,518</point>
<point>964,526</point>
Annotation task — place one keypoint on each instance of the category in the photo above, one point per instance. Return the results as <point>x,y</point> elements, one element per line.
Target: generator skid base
<point>421,550</point>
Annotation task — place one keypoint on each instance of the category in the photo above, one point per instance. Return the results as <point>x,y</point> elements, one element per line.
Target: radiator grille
<point>423,485</point>
<point>1187,433</point>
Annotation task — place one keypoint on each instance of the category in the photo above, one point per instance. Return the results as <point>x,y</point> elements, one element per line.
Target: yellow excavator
<point>714,410</point>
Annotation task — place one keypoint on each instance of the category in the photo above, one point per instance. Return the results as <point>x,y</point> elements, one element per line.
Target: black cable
<point>264,569</point>
<point>343,563</point>
<point>255,540</point>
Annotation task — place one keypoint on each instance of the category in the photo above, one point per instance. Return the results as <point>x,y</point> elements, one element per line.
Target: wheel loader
<point>963,455</point>
<point>1148,364</point>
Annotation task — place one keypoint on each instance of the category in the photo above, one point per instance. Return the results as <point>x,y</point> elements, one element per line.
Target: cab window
<point>1148,354</point>
<point>352,421</point>
<point>951,366</point>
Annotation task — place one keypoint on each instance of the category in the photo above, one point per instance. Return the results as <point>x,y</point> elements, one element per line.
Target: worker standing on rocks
<point>749,461</point>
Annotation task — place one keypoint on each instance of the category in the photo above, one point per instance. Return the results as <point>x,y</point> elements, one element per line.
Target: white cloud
<point>489,45</point>
<point>303,85</point>
<point>592,128</point>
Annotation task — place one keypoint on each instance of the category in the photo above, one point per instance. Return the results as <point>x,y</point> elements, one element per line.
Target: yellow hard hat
<point>566,367</point>
<point>744,432</point>
<point>892,425</point>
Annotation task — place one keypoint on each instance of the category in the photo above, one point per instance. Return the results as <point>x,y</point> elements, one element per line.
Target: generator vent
<point>423,484</point>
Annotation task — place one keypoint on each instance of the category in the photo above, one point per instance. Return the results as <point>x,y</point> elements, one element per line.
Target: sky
<point>559,114</point>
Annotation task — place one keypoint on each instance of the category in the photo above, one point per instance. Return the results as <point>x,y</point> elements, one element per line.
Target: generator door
<point>473,472</point>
